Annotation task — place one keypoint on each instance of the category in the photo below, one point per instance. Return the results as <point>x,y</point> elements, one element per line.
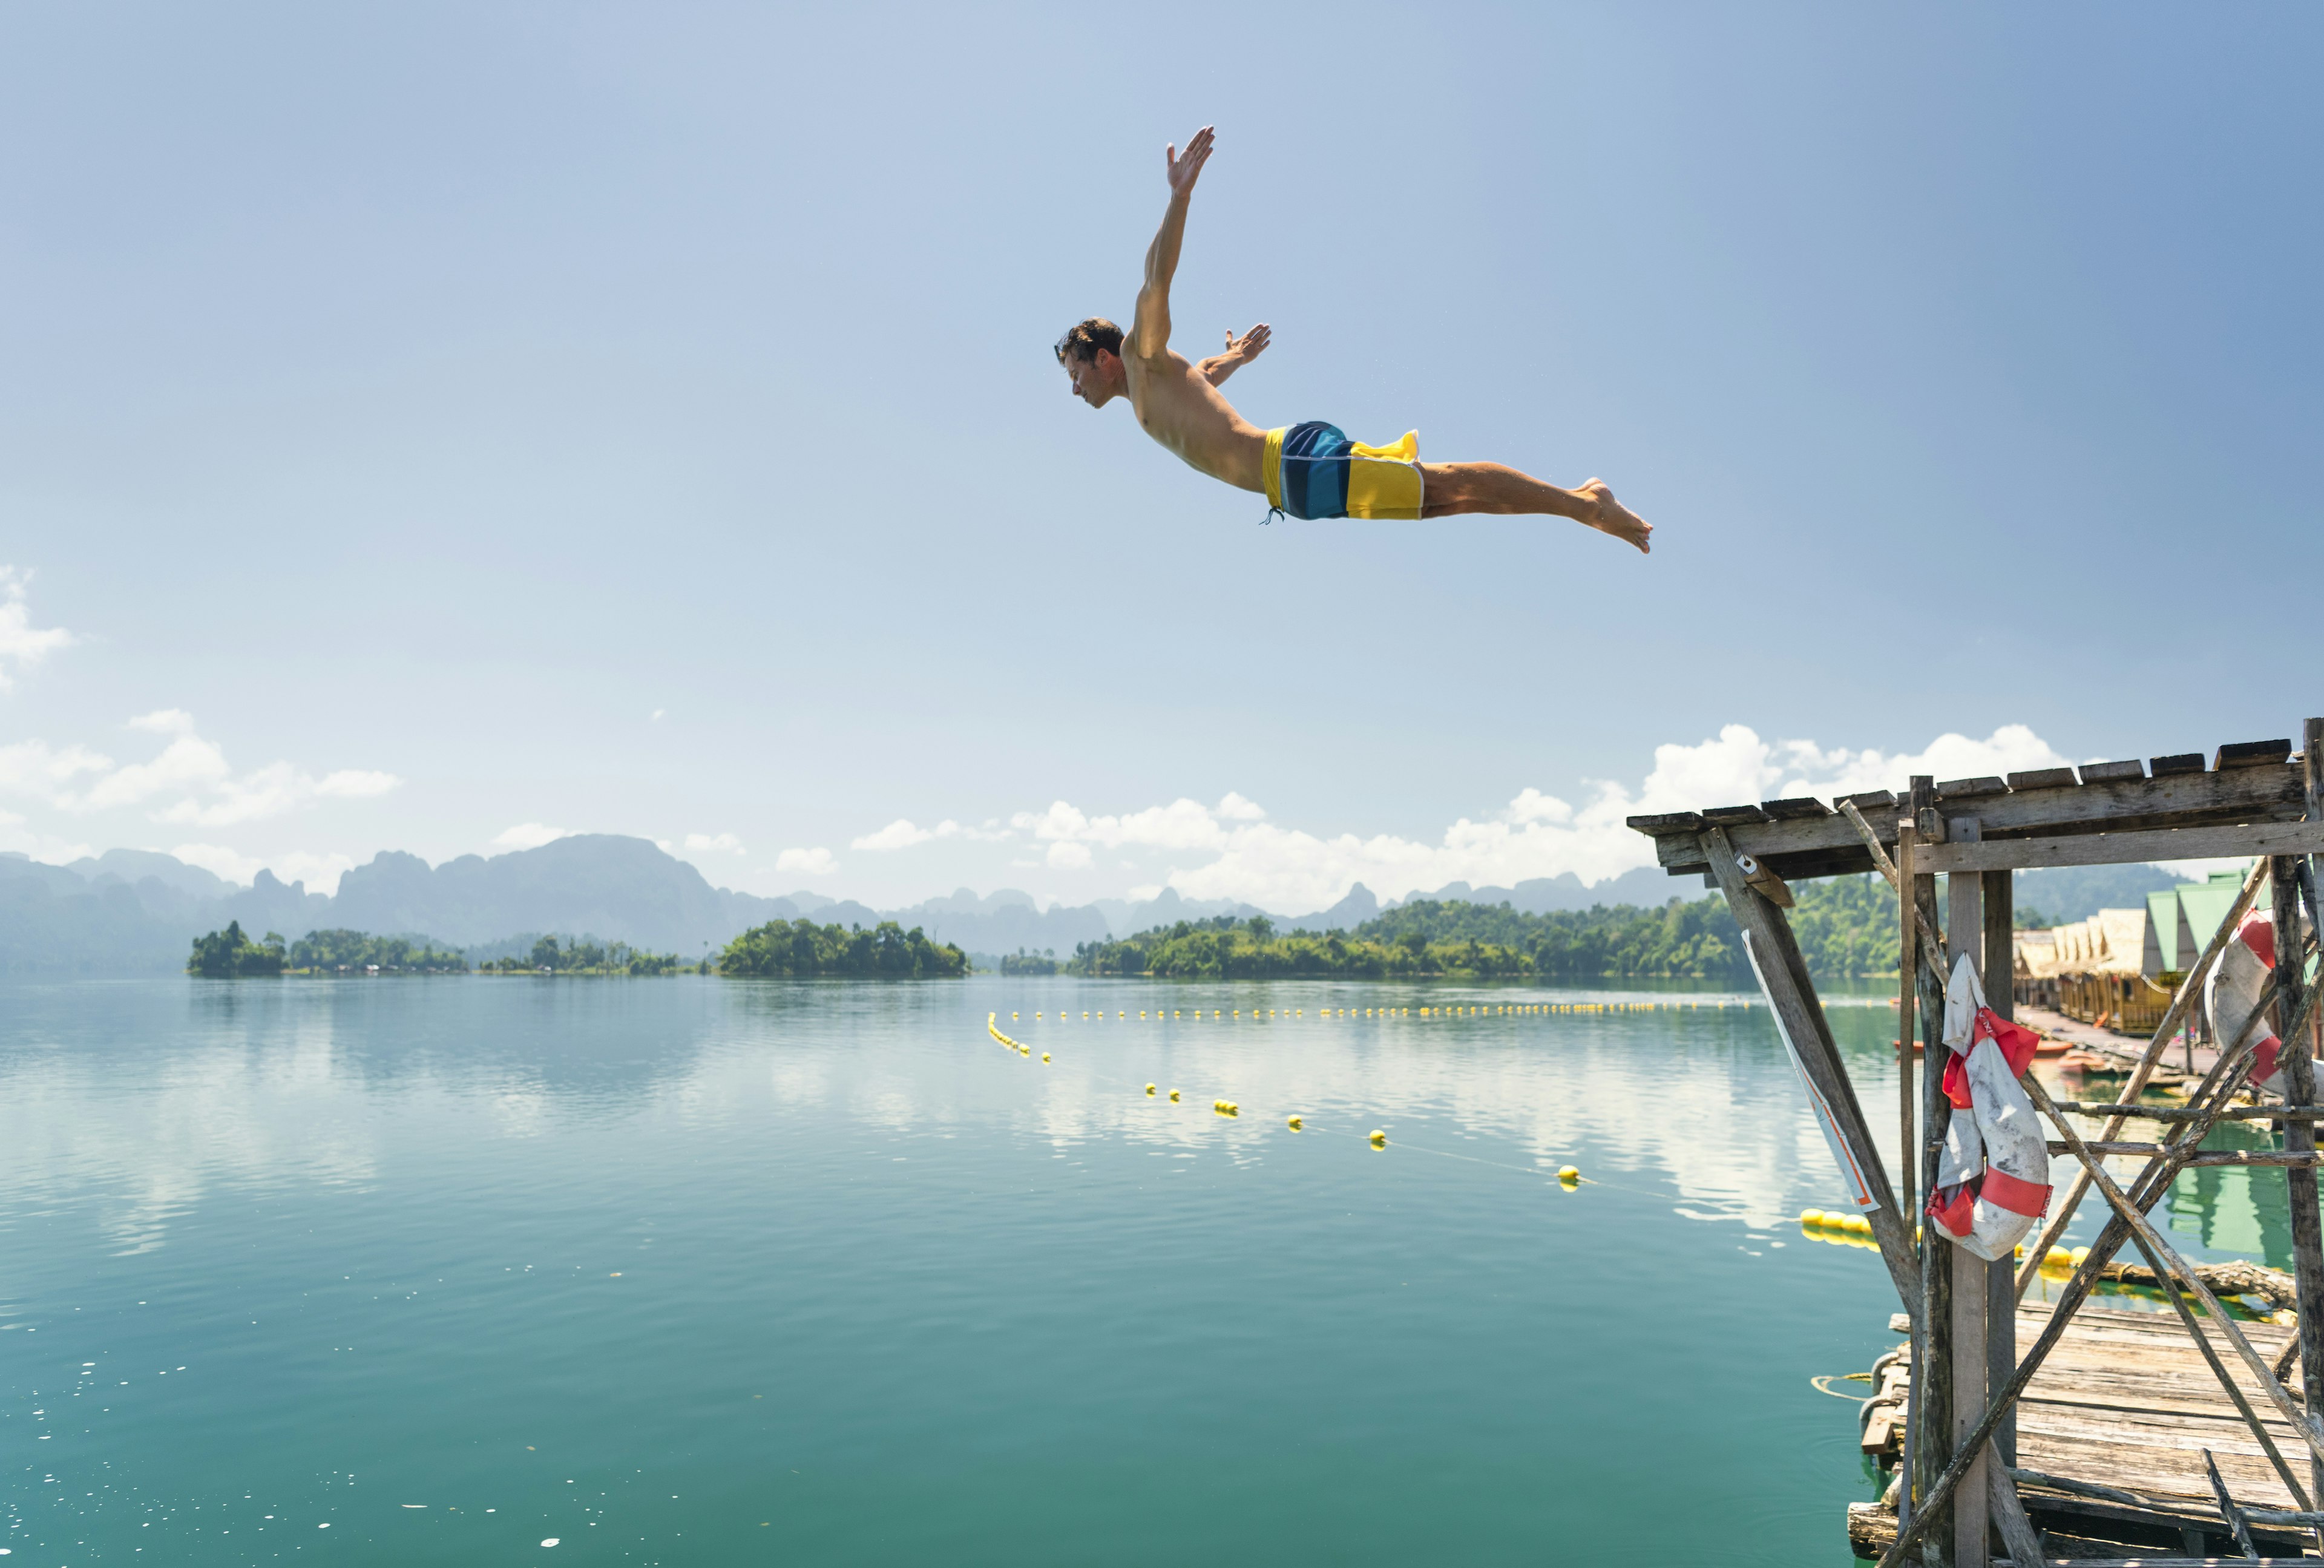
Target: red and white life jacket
<point>2234,988</point>
<point>1993,1177</point>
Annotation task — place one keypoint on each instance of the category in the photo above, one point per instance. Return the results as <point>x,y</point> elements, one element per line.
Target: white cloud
<point>275,789</point>
<point>35,767</point>
<point>165,721</point>
<point>528,835</point>
<point>807,863</point>
<point>209,792</point>
<point>903,834</point>
<point>1183,824</point>
<point>1536,835</point>
<point>22,643</point>
<point>188,763</point>
<point>723,843</point>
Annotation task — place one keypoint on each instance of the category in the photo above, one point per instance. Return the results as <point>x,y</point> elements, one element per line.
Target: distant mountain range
<point>135,911</point>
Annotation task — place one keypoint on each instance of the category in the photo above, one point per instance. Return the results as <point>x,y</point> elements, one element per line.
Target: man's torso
<point>1179,407</point>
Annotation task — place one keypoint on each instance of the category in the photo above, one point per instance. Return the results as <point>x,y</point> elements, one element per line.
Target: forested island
<point>1846,927</point>
<point>800,949</point>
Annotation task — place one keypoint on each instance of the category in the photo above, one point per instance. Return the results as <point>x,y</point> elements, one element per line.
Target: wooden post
<point>1998,971</point>
<point>1972,1381</point>
<point>1908,1152</point>
<point>2300,1089</point>
<point>1908,950</point>
<point>1932,1375</point>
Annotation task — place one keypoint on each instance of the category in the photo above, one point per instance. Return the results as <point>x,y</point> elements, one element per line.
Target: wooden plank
<point>2252,754</point>
<point>1732,816</point>
<point>2237,794</point>
<point>1666,822</point>
<point>1868,802</point>
<point>1970,789</point>
<point>2180,762</point>
<point>2111,772</point>
<point>2044,779</point>
<point>1794,809</point>
<point>2265,838</point>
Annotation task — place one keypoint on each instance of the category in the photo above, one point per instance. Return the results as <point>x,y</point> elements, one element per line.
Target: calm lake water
<point>693,1271</point>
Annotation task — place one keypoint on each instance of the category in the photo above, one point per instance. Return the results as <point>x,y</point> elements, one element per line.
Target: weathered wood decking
<point>2125,1402</point>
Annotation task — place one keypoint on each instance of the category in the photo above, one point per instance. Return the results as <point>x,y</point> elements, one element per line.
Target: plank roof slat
<point>1962,788</point>
<point>2109,773</point>
<point>2179,762</point>
<point>2044,779</point>
<point>1729,816</point>
<point>1659,824</point>
<point>2251,754</point>
<point>1794,807</point>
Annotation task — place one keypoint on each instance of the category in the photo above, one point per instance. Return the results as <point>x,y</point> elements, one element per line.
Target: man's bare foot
<point>1613,517</point>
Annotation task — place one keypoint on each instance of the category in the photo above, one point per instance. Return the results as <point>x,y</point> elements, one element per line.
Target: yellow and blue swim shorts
<point>1313,470</point>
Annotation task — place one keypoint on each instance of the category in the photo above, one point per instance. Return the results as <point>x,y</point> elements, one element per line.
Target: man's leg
<point>1453,488</point>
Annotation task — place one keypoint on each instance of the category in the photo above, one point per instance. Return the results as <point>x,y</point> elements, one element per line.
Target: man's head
<point>1091,352</point>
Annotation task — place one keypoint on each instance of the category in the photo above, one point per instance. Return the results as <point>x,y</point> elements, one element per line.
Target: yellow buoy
<point>1293,1123</point>
<point>1173,1094</point>
<point>1045,1055</point>
<point>1810,1216</point>
<point>1012,1018</point>
<point>1379,1139</point>
<point>1149,1088</point>
<point>1566,1173</point>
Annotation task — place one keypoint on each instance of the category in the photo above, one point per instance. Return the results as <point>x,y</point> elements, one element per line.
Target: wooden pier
<point>2126,1396</point>
<point>2049,1433</point>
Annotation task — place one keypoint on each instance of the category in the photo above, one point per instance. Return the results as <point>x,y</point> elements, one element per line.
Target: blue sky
<point>433,427</point>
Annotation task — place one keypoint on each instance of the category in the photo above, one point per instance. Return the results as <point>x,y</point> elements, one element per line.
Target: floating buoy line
<point>1277,1014</point>
<point>1567,1176</point>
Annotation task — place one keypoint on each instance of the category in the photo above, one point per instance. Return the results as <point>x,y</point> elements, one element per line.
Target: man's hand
<point>1182,168</point>
<point>1240,352</point>
<point>1251,345</point>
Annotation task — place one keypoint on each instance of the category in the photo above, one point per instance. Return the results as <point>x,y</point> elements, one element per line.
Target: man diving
<point>1308,470</point>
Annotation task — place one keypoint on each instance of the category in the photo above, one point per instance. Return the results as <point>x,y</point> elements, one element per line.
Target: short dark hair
<point>1085,339</point>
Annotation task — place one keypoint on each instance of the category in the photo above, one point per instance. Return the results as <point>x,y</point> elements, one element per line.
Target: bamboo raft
<point>2125,1396</point>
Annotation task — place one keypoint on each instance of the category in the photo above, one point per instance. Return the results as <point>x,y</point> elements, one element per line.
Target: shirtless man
<point>1308,470</point>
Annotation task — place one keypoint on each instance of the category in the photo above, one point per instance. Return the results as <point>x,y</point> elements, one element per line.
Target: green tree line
<point>343,952</point>
<point>801,948</point>
<point>583,956</point>
<point>229,953</point>
<point>1846,927</point>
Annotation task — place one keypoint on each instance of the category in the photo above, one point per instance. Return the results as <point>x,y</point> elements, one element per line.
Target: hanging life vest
<point>2234,988</point>
<point>1993,1177</point>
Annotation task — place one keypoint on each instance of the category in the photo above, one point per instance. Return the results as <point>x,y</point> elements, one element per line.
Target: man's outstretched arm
<point>1149,329</point>
<point>1240,352</point>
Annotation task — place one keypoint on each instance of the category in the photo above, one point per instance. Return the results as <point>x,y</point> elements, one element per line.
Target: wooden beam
<point>2098,849</point>
<point>1807,1035</point>
<point>2300,1090</point>
<point>2261,794</point>
<point>1932,1353</point>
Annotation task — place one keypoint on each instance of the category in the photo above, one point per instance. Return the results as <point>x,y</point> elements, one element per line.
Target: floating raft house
<point>2059,1433</point>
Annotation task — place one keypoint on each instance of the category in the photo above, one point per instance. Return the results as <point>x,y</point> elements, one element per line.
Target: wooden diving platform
<point>2125,1403</point>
